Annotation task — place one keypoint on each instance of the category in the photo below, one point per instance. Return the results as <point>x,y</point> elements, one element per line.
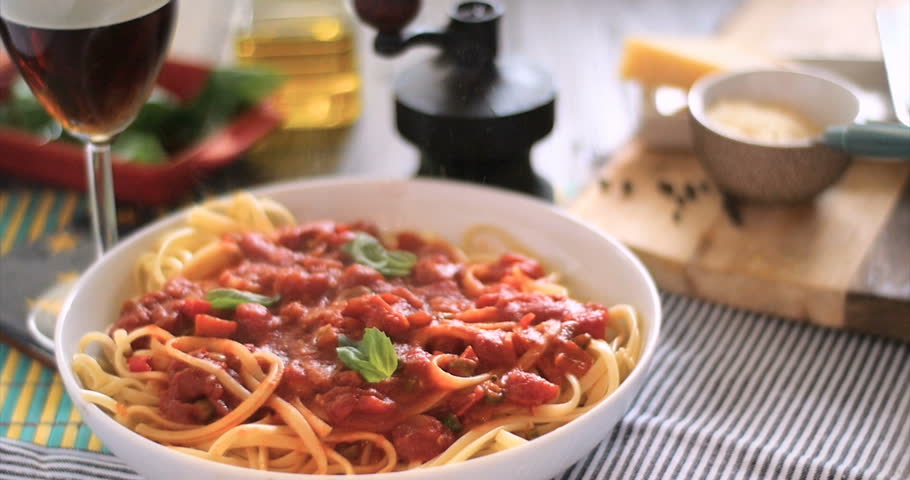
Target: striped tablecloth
<point>732,395</point>
<point>33,405</point>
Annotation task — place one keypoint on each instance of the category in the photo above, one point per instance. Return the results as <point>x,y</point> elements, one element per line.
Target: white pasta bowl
<point>594,265</point>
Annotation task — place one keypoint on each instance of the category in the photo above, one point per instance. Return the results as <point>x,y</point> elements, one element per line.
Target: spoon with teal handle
<point>872,139</point>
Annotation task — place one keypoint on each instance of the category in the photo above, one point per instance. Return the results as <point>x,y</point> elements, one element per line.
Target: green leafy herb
<point>374,357</point>
<point>203,410</point>
<point>229,298</point>
<point>156,113</point>
<point>230,91</point>
<point>139,147</point>
<point>23,111</point>
<point>366,250</point>
<point>162,125</point>
<point>493,390</point>
<point>451,421</point>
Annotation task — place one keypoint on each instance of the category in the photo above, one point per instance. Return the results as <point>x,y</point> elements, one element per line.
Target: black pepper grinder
<point>472,115</point>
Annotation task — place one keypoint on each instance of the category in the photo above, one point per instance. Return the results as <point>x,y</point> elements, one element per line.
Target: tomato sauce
<point>529,341</point>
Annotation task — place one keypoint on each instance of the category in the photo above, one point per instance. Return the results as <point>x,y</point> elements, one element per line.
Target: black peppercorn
<point>731,207</point>
<point>690,192</point>
<point>627,187</point>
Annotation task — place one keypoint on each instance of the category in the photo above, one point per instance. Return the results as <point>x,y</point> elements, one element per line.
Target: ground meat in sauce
<point>420,438</point>
<point>161,308</point>
<point>325,295</point>
<point>187,385</point>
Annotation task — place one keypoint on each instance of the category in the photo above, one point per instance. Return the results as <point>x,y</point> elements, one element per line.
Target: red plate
<point>62,164</point>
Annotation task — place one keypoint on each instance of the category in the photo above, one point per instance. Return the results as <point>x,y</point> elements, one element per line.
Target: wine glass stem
<point>101,195</point>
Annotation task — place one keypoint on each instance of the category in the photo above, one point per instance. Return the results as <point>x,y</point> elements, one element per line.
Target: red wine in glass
<point>91,64</point>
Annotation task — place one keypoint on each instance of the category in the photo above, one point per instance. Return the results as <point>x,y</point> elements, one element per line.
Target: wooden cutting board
<point>842,260</point>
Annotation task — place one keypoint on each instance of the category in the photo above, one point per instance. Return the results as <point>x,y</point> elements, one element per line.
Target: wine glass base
<point>42,316</point>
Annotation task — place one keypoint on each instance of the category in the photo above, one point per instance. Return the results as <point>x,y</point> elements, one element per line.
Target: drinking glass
<point>92,64</point>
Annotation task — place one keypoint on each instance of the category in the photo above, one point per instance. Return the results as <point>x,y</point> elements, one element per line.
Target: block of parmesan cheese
<point>679,62</point>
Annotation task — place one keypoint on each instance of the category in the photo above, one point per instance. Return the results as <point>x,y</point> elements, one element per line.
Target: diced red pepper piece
<point>495,348</point>
<point>195,306</point>
<point>139,363</point>
<point>409,296</point>
<point>420,319</point>
<point>376,312</point>
<point>487,299</point>
<point>209,326</point>
<point>594,321</point>
<point>572,359</point>
<point>525,388</point>
<point>389,298</point>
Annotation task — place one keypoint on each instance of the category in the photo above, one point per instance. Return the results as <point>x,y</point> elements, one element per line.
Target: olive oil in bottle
<point>311,42</point>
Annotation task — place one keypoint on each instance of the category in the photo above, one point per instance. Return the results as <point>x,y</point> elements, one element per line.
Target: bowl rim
<point>701,88</point>
<point>92,413</point>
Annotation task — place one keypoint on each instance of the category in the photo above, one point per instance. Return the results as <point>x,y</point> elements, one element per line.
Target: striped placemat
<point>33,406</point>
<point>27,214</point>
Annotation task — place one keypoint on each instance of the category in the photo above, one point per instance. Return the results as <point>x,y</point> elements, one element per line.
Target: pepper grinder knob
<point>387,16</point>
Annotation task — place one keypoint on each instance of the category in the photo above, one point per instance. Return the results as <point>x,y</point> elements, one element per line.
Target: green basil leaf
<point>228,92</point>
<point>157,112</point>
<point>379,350</point>
<point>354,360</point>
<point>374,357</point>
<point>391,272</point>
<point>345,341</point>
<point>366,250</point>
<point>401,259</point>
<point>451,421</point>
<point>229,298</point>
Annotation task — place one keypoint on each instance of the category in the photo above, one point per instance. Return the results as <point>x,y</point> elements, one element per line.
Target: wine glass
<point>92,64</point>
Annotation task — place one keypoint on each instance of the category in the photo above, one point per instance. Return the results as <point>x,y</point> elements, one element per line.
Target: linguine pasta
<point>453,385</point>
